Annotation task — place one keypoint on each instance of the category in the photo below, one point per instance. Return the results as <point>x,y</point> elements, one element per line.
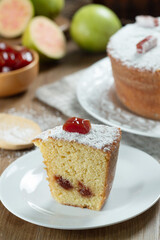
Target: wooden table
<point>143,227</point>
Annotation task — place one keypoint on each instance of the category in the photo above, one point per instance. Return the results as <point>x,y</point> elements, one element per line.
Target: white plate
<point>97,96</point>
<point>24,191</point>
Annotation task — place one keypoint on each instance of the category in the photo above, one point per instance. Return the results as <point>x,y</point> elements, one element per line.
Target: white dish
<point>24,191</point>
<point>97,96</point>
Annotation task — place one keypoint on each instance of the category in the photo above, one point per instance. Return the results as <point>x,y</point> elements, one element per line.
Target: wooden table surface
<point>143,227</point>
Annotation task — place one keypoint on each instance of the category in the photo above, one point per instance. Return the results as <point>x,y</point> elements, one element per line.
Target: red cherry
<point>23,58</point>
<point>26,56</point>
<point>78,125</point>
<point>9,58</point>
<point>12,59</point>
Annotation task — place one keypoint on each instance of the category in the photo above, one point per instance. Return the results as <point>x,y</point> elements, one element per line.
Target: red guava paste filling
<point>83,190</point>
<point>64,183</point>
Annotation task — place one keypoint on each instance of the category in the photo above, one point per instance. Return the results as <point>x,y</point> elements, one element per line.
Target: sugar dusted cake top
<point>99,137</point>
<point>122,46</point>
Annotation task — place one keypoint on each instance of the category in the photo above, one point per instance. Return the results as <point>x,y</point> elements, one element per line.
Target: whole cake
<point>80,161</point>
<point>134,52</point>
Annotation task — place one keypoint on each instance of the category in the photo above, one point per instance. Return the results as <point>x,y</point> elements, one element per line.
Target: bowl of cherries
<point>18,68</point>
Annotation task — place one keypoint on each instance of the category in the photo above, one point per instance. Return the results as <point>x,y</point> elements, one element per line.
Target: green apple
<point>48,8</point>
<point>92,26</point>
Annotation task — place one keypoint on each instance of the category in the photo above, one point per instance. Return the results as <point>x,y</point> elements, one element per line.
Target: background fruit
<point>14,17</point>
<point>92,26</point>
<point>44,36</point>
<point>48,8</point>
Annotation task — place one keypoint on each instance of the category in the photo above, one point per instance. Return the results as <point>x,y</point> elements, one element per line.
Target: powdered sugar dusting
<point>42,115</point>
<point>122,46</point>
<point>100,136</point>
<point>46,119</point>
<point>16,135</point>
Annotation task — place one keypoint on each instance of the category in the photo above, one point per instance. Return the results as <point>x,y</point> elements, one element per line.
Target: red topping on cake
<point>78,125</point>
<point>64,183</point>
<point>147,21</point>
<point>146,44</point>
<point>83,190</point>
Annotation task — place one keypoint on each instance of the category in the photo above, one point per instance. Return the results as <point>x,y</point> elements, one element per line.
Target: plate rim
<point>102,119</point>
<point>38,223</point>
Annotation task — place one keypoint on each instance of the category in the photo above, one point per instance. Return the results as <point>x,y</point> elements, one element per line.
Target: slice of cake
<point>80,161</point>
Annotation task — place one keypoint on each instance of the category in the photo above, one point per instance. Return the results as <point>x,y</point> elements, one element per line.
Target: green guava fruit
<point>44,36</point>
<point>48,8</point>
<point>92,26</point>
<point>14,17</point>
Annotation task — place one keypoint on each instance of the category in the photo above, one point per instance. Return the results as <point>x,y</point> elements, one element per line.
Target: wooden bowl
<point>18,81</point>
